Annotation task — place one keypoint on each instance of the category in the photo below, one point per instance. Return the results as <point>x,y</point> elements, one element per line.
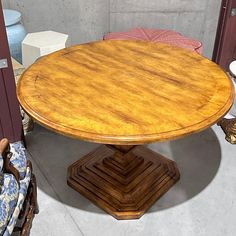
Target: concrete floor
<point>201,203</point>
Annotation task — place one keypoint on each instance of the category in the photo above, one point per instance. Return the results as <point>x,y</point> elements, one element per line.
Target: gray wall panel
<point>156,5</point>
<point>182,23</point>
<point>126,20</point>
<point>210,25</point>
<point>4,3</point>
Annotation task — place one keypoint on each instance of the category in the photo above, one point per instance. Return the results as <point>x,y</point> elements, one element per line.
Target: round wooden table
<point>125,94</point>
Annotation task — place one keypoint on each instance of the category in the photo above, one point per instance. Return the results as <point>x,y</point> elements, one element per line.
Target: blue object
<point>15,32</point>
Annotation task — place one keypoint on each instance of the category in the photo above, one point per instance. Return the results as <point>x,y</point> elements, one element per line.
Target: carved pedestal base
<point>123,180</point>
<point>229,128</point>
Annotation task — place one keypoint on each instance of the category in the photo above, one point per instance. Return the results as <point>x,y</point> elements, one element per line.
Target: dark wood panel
<point>225,44</point>
<point>7,129</point>
<point>9,106</point>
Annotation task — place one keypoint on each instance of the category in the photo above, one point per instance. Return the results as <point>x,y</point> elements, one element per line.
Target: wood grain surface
<point>125,92</point>
<point>123,183</point>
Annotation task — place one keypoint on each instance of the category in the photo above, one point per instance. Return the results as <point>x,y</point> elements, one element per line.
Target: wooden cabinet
<point>225,43</point>
<point>10,119</point>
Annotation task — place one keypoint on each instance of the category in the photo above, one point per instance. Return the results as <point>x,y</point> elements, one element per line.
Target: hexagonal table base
<point>123,180</point>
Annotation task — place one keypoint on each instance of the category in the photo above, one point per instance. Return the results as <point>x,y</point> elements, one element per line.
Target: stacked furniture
<point>18,191</point>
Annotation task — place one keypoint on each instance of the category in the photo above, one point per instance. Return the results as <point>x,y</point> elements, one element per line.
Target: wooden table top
<point>125,92</point>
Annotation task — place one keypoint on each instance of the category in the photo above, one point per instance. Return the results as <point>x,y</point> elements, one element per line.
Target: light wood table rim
<point>123,140</point>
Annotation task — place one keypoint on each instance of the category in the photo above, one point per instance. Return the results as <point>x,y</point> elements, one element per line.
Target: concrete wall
<point>4,3</point>
<point>88,20</point>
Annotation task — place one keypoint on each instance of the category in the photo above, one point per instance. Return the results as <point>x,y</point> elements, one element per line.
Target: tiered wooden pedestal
<point>123,180</point>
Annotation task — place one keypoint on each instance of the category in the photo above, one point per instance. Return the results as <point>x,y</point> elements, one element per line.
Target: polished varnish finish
<point>124,93</point>
<point>123,183</point>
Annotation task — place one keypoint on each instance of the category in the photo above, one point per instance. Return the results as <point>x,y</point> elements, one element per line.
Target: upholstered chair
<point>170,37</point>
<point>18,191</point>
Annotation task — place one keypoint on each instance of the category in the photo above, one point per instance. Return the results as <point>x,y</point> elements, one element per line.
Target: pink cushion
<point>156,35</point>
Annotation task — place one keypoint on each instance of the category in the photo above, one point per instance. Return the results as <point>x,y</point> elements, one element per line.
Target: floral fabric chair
<point>18,191</point>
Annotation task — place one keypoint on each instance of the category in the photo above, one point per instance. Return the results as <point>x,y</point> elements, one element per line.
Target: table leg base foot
<point>229,128</point>
<point>123,183</point>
